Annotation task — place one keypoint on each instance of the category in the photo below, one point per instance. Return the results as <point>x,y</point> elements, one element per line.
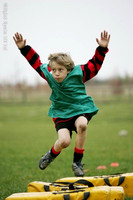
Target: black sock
<point>78,155</point>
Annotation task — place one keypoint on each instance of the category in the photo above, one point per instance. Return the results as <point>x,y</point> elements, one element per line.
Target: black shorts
<point>69,123</point>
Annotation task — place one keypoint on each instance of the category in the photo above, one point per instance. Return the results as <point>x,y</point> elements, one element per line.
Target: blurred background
<point>70,26</point>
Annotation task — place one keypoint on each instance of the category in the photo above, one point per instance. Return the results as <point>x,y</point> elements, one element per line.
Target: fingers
<point>104,40</point>
<point>97,40</point>
<point>17,37</point>
<point>104,35</point>
<point>24,42</point>
<point>20,42</point>
<point>14,39</point>
<point>108,37</point>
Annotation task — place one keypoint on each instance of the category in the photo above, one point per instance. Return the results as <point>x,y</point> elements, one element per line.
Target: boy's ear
<point>68,71</point>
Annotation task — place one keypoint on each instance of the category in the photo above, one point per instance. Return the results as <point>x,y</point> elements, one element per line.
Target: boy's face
<point>59,72</point>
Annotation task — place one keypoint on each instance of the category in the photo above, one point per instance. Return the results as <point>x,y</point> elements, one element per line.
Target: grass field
<point>26,132</point>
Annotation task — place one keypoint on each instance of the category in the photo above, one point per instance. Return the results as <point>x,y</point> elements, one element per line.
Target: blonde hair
<point>62,59</point>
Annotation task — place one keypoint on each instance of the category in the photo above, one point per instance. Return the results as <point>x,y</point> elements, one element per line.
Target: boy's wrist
<point>25,50</point>
<point>22,47</point>
<point>103,49</point>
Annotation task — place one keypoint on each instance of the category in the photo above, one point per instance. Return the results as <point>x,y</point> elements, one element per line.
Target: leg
<point>62,142</point>
<point>81,126</point>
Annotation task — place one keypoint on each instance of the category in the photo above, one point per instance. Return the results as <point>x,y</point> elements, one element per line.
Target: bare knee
<point>81,124</point>
<point>82,127</point>
<point>64,143</point>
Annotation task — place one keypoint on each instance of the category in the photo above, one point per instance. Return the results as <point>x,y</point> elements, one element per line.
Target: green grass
<point>26,132</point>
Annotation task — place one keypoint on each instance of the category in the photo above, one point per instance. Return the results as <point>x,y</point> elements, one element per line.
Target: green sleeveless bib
<point>69,97</point>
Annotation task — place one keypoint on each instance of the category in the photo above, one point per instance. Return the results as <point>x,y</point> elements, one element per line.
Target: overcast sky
<point>65,26</point>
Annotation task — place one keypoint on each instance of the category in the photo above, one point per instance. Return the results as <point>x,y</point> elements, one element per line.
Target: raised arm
<point>91,68</point>
<point>32,57</point>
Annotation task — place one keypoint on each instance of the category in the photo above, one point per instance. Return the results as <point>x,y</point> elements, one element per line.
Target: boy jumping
<point>71,108</point>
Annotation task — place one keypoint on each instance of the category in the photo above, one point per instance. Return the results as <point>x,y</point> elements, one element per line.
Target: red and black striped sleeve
<point>33,58</point>
<point>91,68</point>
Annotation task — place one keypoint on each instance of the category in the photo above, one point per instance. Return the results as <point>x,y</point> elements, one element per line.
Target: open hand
<point>104,41</point>
<point>20,42</point>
